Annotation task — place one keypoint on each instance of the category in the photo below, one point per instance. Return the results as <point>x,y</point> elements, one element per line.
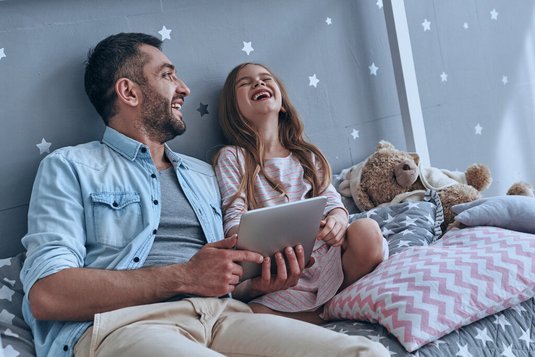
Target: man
<point>125,255</point>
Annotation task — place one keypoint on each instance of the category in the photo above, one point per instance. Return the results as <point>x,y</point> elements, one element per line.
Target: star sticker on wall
<point>355,134</point>
<point>426,25</point>
<point>494,15</point>
<point>328,21</point>
<point>313,81</point>
<point>379,4</point>
<point>247,48</point>
<point>2,53</point>
<point>505,80</point>
<point>44,146</point>
<point>203,109</point>
<point>478,128</point>
<point>165,33</point>
<point>465,26</point>
<point>443,77</point>
<point>373,69</point>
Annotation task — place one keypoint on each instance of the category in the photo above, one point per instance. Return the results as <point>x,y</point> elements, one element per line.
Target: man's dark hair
<point>115,57</point>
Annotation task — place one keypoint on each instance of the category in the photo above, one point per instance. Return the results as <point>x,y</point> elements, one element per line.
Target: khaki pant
<point>213,327</point>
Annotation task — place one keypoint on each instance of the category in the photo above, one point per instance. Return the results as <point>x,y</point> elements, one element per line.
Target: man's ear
<point>128,92</point>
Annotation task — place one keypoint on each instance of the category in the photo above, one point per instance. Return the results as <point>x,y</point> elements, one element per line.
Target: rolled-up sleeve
<point>56,225</point>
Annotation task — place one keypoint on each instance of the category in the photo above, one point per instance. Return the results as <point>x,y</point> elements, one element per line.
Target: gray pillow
<point>510,212</point>
<point>15,334</point>
<point>408,224</point>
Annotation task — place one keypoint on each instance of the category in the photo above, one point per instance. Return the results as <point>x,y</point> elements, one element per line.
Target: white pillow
<point>510,212</point>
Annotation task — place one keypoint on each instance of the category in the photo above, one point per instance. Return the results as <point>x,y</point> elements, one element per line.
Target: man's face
<point>163,97</point>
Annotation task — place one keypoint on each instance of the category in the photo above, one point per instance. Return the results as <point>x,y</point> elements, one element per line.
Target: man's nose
<point>182,88</point>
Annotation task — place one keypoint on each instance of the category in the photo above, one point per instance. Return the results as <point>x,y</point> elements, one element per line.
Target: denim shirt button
<point>143,150</point>
<point>153,175</point>
<point>115,204</point>
<point>155,231</point>
<point>155,202</point>
<point>65,348</point>
<point>136,259</point>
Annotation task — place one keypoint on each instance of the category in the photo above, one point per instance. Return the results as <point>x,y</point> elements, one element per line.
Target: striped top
<point>288,171</point>
<point>318,283</point>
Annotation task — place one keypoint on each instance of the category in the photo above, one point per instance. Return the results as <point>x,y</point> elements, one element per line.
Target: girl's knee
<point>364,237</point>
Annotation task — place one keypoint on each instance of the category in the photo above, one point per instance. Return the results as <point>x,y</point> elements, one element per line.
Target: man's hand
<point>289,271</point>
<point>216,268</point>
<point>333,228</point>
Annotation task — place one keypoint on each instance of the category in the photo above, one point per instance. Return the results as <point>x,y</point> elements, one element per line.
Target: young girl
<point>271,163</point>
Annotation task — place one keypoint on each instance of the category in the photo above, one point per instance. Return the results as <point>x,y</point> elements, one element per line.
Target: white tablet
<point>271,229</point>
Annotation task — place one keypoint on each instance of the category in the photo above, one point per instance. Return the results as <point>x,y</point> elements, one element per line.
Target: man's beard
<point>158,119</point>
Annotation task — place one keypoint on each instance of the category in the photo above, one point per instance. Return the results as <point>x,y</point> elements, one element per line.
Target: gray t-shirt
<point>179,234</point>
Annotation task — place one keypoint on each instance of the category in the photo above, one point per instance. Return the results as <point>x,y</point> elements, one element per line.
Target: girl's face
<point>257,93</point>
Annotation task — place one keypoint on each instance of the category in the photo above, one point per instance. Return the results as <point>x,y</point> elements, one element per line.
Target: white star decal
<point>463,351</point>
<point>2,53</point>
<point>410,221</point>
<point>412,204</point>
<point>518,308</point>
<point>373,69</point>
<point>403,243</point>
<point>526,337</point>
<point>505,80</point>
<point>4,262</point>
<point>478,129</point>
<point>407,232</point>
<point>437,343</point>
<point>443,77</point>
<point>6,293</point>
<point>165,33</point>
<point>313,81</point>
<point>494,15</point>
<point>501,320</point>
<point>355,134</point>
<point>328,21</point>
<point>44,146</point>
<point>6,317</point>
<point>8,332</point>
<point>387,232</point>
<point>483,335</point>
<point>389,218</point>
<point>376,338</point>
<point>426,25</point>
<point>9,351</point>
<point>507,351</point>
<point>379,4</point>
<point>465,26</point>
<point>247,48</point>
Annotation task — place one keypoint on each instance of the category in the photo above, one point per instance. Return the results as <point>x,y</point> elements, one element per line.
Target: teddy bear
<point>390,176</point>
<point>521,188</point>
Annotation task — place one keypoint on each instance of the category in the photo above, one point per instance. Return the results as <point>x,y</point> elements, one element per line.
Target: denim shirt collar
<point>133,149</point>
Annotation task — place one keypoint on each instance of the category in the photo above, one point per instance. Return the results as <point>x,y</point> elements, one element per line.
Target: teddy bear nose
<point>406,167</point>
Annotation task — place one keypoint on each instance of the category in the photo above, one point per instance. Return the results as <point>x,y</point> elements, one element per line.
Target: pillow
<point>425,293</point>
<point>408,224</point>
<point>511,212</point>
<point>15,335</point>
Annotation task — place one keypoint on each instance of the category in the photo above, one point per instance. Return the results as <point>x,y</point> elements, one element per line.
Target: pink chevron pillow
<point>424,293</point>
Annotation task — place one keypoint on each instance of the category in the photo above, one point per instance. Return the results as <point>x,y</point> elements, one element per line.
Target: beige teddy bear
<point>392,176</point>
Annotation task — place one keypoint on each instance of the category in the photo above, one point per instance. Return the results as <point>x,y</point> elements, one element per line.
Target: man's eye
<point>168,75</point>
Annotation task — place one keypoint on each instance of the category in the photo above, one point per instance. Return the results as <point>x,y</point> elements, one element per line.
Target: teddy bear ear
<point>383,144</point>
<point>415,157</point>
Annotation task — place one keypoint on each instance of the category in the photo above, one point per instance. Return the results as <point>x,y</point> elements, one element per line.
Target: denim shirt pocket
<point>117,217</point>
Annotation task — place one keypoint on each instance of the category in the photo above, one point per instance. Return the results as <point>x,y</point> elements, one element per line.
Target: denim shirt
<point>96,205</point>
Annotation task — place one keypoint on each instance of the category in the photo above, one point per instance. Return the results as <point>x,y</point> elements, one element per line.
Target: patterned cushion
<point>15,334</point>
<point>408,224</point>
<point>424,293</point>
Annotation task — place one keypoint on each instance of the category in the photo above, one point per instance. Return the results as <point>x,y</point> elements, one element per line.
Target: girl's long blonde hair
<point>241,133</point>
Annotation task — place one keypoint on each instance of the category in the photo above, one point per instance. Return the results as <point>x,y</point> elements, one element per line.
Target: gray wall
<point>45,43</point>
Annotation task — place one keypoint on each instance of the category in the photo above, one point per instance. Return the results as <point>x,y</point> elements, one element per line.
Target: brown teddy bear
<point>521,188</point>
<point>392,176</point>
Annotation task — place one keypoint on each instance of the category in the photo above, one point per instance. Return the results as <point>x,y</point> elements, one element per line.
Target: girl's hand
<point>333,228</point>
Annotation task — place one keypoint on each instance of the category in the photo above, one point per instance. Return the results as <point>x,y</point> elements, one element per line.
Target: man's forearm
<point>77,294</point>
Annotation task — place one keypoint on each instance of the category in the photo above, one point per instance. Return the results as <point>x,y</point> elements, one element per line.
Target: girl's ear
<point>283,110</point>
<point>128,92</point>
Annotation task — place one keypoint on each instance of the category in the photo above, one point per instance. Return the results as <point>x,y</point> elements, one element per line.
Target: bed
<point>465,292</point>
